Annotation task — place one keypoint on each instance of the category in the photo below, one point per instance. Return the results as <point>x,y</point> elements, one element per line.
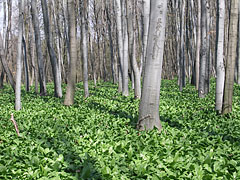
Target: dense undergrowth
<point>96,138</point>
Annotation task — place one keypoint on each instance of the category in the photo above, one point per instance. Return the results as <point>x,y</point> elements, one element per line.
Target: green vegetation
<point>96,138</point>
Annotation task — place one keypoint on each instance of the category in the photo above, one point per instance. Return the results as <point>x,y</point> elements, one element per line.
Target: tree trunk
<point>231,58</point>
<point>182,56</point>
<point>27,86</point>
<point>85,47</point>
<point>120,42</point>
<point>53,58</point>
<point>198,47</point>
<point>145,27</point>
<point>204,50</point>
<point>19,57</point>
<point>70,92</point>
<point>41,70</point>
<point>149,104</point>
<point>220,55</point>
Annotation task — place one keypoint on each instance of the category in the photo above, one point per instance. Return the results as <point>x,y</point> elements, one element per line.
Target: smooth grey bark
<point>84,28</point>
<point>182,56</point>
<point>120,42</point>
<point>19,57</point>
<point>149,104</point>
<point>53,58</point>
<point>114,74</point>
<point>70,92</point>
<point>231,58</point>
<point>132,30</point>
<point>125,90</point>
<point>27,86</point>
<point>220,55</point>
<point>145,27</point>
<point>203,50</point>
<point>198,45</point>
<point>38,43</point>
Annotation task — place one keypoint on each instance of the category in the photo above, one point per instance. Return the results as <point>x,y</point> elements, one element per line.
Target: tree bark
<point>19,57</point>
<point>149,104</point>
<point>198,46</point>
<point>70,92</point>
<point>220,55</point>
<point>231,58</point>
<point>203,50</point>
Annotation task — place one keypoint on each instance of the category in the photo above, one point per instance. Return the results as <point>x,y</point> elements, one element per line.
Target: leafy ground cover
<point>96,138</point>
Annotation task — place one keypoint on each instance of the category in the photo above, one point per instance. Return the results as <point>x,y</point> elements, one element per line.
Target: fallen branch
<point>15,124</point>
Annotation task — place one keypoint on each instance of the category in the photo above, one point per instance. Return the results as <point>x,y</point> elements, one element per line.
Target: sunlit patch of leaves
<point>96,137</point>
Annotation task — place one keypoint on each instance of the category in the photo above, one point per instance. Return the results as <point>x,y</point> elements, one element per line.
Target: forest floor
<point>96,138</point>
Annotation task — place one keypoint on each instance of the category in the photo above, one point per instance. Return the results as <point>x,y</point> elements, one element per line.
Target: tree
<point>38,43</point>
<point>69,98</point>
<point>149,104</point>
<point>19,56</point>
<point>182,57</point>
<point>203,50</point>
<point>84,28</point>
<point>231,58</point>
<point>53,58</point>
<point>220,55</point>
<point>198,45</point>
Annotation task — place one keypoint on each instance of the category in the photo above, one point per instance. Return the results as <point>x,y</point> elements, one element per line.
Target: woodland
<point>119,89</point>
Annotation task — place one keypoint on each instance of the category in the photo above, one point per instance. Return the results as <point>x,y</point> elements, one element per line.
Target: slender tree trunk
<point>27,86</point>
<point>120,42</point>
<point>182,56</point>
<point>53,58</point>
<point>145,26</point>
<point>220,55</point>
<point>149,104</point>
<point>19,57</point>
<point>204,50</point>
<point>231,58</point>
<point>198,47</point>
<point>70,92</point>
<point>85,47</point>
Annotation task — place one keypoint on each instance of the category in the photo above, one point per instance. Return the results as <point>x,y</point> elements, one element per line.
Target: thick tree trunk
<point>231,58</point>
<point>19,57</point>
<point>53,58</point>
<point>220,55</point>
<point>149,104</point>
<point>70,92</point>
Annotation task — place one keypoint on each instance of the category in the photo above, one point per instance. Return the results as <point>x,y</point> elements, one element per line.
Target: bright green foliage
<point>96,138</point>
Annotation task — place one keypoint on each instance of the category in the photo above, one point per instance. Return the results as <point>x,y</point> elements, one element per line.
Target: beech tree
<point>220,55</point>
<point>69,98</point>
<point>149,104</point>
<point>231,58</point>
<point>19,56</point>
